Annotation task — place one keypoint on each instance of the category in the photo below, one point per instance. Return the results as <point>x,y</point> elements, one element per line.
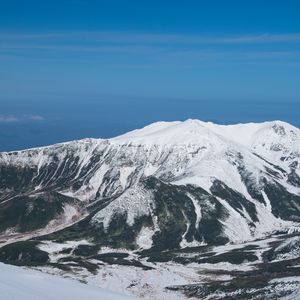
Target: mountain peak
<point>161,133</point>
<point>193,131</point>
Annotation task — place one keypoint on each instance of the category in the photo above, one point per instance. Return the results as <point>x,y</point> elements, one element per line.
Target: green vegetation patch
<point>23,253</point>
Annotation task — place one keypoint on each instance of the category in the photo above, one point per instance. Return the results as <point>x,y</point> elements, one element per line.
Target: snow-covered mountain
<point>176,205</point>
<point>168,180</point>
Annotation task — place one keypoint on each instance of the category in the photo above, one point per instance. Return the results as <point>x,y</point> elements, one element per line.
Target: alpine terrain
<point>172,210</point>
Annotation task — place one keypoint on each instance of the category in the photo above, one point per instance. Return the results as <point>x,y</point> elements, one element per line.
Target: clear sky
<point>84,68</point>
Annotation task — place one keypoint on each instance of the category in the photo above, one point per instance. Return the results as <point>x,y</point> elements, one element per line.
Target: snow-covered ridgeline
<point>185,152</point>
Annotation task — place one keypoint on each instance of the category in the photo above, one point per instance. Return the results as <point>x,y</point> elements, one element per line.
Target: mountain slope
<point>169,179</point>
<point>17,283</point>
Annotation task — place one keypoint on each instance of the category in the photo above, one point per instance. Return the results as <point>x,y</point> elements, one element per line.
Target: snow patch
<point>144,238</point>
<point>134,202</point>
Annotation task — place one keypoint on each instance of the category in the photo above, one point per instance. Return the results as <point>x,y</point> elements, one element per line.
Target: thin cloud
<point>154,47</point>
<point>14,118</point>
<point>35,118</point>
<point>86,48</point>
<point>123,37</point>
<point>203,52</point>
<point>8,118</point>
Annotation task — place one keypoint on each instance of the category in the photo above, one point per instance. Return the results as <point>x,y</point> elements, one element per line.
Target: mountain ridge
<point>208,125</point>
<point>176,153</point>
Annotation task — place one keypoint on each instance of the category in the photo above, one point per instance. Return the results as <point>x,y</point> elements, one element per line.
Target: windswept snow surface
<point>271,140</point>
<point>19,283</point>
<point>293,296</point>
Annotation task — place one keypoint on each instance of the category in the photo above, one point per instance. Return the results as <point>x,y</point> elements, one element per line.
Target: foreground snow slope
<point>19,283</point>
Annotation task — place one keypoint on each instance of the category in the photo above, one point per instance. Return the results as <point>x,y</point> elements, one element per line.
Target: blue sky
<point>74,69</point>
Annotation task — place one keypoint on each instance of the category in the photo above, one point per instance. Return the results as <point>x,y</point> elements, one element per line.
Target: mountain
<point>165,187</point>
<point>246,176</point>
